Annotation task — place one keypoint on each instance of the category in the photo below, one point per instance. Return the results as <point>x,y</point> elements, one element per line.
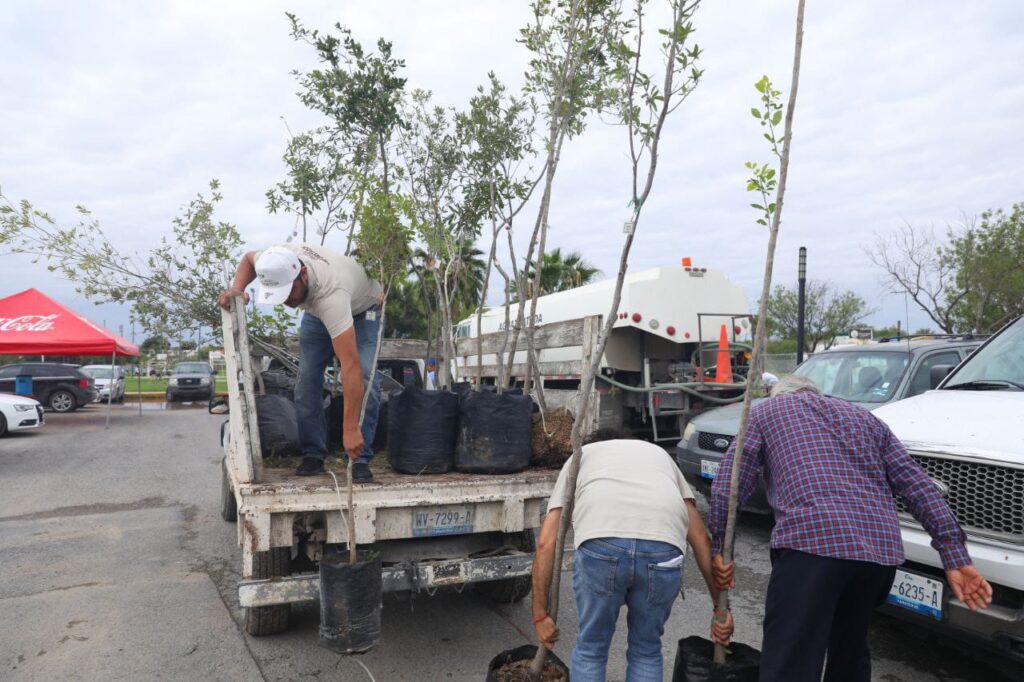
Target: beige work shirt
<point>627,489</point>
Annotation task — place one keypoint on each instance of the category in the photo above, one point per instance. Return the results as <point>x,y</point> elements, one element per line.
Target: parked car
<point>102,374</point>
<point>870,375</point>
<point>191,381</point>
<point>18,413</point>
<point>968,437</point>
<point>59,387</point>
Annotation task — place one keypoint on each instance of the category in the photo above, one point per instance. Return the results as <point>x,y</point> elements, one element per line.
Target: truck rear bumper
<point>410,576</point>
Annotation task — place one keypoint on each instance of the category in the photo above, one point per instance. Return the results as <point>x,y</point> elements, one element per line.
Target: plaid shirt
<point>830,471</point>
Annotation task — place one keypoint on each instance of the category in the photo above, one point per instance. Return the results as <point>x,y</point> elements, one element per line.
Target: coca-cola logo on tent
<point>27,323</point>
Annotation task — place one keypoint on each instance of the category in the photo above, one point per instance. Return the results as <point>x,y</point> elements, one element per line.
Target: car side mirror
<point>938,373</point>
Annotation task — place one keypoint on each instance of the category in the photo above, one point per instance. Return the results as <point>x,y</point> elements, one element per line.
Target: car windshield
<point>1001,360</point>
<point>193,368</point>
<point>97,372</point>
<point>858,376</point>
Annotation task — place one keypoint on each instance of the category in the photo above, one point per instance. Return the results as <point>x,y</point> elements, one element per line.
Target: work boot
<point>361,473</point>
<point>311,466</point>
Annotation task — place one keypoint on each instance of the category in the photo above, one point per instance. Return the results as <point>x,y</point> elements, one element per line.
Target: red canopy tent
<point>32,323</point>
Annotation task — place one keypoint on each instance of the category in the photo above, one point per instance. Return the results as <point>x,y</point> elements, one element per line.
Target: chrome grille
<point>987,499</point>
<point>706,441</point>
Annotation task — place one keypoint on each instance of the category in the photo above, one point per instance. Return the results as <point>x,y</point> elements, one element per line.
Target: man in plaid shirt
<point>830,471</point>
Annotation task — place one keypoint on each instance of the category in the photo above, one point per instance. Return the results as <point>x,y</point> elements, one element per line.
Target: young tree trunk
<point>762,315</point>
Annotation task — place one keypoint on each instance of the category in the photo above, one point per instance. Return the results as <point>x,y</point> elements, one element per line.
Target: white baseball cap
<point>276,269</point>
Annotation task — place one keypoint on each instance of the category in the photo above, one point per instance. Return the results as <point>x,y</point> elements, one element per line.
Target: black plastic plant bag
<point>422,426</point>
<point>278,425</point>
<point>350,601</point>
<point>494,433</point>
<point>695,662</point>
<point>522,653</point>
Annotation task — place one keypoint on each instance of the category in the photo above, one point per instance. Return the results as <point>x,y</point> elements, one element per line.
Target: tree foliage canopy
<point>828,313</point>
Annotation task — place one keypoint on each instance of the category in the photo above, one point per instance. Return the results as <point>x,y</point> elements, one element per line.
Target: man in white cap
<point>341,318</point>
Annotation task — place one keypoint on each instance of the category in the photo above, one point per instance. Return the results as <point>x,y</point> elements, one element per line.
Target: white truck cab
<point>969,437</point>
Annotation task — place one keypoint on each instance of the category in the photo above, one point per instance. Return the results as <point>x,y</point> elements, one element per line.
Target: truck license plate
<point>709,468</point>
<point>442,521</point>
<point>917,593</point>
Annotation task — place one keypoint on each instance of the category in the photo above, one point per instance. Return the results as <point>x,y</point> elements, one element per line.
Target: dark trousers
<point>816,605</point>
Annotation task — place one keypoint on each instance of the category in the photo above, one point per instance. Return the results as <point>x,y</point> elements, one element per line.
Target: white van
<point>969,437</point>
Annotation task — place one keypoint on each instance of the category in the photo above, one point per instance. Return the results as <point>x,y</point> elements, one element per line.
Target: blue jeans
<point>608,573</point>
<point>315,353</point>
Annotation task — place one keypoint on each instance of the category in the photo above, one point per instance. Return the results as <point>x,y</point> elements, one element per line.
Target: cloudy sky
<point>908,111</point>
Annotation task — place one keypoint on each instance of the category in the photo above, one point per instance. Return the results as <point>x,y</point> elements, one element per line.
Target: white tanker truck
<point>658,369</point>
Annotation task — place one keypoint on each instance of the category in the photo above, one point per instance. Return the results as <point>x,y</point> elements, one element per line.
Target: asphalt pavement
<point>115,565</point>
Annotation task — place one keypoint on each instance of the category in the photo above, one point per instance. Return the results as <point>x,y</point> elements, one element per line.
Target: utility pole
<point>802,282</point>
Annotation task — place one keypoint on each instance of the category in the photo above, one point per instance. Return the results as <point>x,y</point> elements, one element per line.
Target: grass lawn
<point>151,385</point>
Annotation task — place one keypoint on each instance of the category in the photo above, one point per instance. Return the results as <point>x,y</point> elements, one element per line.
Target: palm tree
<point>562,272</point>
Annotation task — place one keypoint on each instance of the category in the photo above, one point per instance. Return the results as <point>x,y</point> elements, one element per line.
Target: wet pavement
<point>117,566</point>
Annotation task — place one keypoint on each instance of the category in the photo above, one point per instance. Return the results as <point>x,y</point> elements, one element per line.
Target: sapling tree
<point>763,181</point>
<point>173,287</point>
<point>320,188</point>
<point>642,102</point>
<point>359,92</point>
<point>386,224</point>
<point>498,130</point>
<point>568,74</point>
<point>434,154</point>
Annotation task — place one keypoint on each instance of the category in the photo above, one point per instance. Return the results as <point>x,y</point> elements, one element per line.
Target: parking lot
<point>117,566</point>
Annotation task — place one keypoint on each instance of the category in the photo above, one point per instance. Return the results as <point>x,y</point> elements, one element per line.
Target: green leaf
<point>755,112</point>
<point>777,118</point>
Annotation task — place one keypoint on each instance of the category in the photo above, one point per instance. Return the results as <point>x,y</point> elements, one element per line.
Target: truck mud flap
<point>423,576</point>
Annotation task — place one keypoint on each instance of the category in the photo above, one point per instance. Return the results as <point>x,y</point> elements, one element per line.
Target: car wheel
<point>3,425</point>
<point>511,590</point>
<point>62,401</point>
<point>170,397</point>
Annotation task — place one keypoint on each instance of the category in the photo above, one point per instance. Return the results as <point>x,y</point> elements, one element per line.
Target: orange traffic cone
<point>723,370</point>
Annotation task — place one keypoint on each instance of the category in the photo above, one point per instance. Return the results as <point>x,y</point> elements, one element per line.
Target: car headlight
<point>204,381</point>
<point>173,381</point>
<point>24,408</point>
<point>688,432</point>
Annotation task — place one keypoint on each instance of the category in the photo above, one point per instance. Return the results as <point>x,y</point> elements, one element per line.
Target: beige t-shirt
<point>339,287</point>
<point>627,489</point>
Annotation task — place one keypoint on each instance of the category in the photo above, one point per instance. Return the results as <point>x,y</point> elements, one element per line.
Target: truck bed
<point>280,478</point>
<point>394,507</point>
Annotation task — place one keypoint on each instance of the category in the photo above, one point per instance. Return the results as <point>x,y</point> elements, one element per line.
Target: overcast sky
<point>907,112</point>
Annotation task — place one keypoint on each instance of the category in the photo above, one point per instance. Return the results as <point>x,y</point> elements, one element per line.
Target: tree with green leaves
<point>642,103</point>
<point>561,272</point>
<point>569,74</point>
<point>320,188</point>
<point>769,211</point>
<point>828,313</point>
<point>433,155</point>
<point>359,92</point>
<point>172,288</point>
<point>498,131</point>
<point>989,256</point>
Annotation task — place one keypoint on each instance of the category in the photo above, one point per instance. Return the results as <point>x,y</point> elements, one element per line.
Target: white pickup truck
<point>969,436</point>
<point>431,531</point>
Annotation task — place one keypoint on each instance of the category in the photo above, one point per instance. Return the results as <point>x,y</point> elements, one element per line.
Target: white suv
<point>969,437</point>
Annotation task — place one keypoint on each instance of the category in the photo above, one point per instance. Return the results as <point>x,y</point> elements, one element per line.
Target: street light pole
<point>802,281</point>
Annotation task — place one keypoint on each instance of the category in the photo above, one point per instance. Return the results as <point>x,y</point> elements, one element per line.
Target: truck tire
<point>511,590</point>
<point>228,503</point>
<point>269,620</point>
